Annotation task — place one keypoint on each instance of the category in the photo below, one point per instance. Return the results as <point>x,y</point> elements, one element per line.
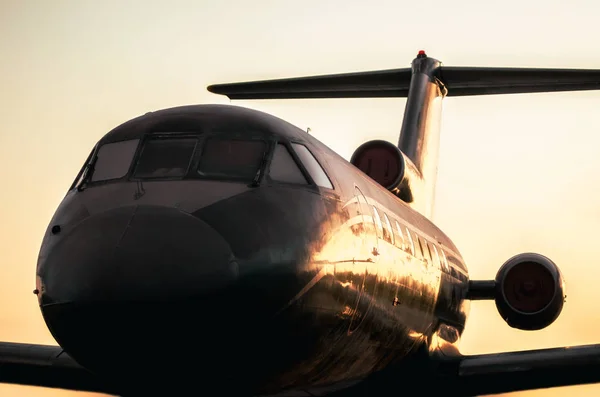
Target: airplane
<point>221,250</point>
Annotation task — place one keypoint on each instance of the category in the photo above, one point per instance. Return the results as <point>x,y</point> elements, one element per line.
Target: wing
<point>524,370</point>
<point>50,366</point>
<point>45,366</point>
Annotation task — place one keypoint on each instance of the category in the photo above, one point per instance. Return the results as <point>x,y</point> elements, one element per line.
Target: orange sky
<point>517,173</point>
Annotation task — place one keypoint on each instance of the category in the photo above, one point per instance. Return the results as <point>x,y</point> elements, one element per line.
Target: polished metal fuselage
<point>250,289</point>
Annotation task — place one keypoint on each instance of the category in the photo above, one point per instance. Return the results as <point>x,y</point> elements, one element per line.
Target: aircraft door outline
<point>368,254</point>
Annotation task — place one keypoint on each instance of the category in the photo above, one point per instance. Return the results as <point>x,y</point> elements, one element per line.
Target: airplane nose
<point>136,253</point>
<point>132,278</point>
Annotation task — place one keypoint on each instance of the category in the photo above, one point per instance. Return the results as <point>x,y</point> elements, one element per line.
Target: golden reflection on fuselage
<point>355,257</point>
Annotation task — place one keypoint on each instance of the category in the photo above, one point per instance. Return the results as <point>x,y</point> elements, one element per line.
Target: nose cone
<point>136,253</point>
<point>128,280</point>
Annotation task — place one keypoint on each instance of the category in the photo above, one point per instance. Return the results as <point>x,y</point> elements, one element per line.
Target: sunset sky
<point>516,173</point>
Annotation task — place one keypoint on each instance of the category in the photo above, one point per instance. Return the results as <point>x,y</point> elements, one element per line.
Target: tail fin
<point>425,85</point>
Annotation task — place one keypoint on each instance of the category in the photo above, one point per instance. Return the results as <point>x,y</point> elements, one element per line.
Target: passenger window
<point>231,159</point>
<point>378,224</point>
<point>165,158</point>
<point>388,234</point>
<point>399,236</point>
<point>421,250</point>
<point>284,168</point>
<point>113,160</point>
<point>366,224</point>
<point>444,261</point>
<point>428,251</point>
<point>312,166</point>
<point>410,244</point>
<point>436,256</point>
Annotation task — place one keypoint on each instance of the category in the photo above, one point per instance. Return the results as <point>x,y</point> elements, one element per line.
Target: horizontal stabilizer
<point>526,370</point>
<point>381,83</point>
<point>463,81</point>
<point>459,81</point>
<point>45,366</point>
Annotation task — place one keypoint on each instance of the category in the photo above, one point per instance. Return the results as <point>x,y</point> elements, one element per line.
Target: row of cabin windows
<point>411,242</point>
<point>214,158</point>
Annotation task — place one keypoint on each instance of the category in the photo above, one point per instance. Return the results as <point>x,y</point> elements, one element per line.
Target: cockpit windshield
<point>231,159</point>
<point>113,160</point>
<point>165,158</point>
<point>215,157</point>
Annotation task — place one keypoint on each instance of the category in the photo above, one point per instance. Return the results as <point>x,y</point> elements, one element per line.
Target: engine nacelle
<point>529,291</point>
<point>388,166</point>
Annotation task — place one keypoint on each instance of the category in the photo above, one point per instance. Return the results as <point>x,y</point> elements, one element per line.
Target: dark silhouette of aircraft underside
<point>221,250</point>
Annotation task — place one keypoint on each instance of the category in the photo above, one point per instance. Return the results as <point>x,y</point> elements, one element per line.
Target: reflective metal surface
<point>260,290</point>
<point>420,133</point>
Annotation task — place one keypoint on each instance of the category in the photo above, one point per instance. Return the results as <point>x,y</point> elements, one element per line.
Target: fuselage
<point>226,247</point>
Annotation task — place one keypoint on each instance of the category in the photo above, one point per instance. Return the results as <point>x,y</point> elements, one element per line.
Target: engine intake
<point>529,291</point>
<point>389,167</point>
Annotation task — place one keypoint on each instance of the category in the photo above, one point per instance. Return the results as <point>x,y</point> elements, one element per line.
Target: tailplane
<point>425,84</point>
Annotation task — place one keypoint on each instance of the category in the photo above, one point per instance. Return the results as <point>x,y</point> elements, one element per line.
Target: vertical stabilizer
<point>420,133</point>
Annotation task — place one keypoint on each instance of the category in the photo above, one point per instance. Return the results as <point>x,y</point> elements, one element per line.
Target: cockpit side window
<point>231,158</point>
<point>82,175</point>
<point>313,167</point>
<point>165,158</point>
<point>113,160</point>
<point>283,167</point>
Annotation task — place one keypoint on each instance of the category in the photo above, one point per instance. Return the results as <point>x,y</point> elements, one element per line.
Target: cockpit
<point>184,156</point>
